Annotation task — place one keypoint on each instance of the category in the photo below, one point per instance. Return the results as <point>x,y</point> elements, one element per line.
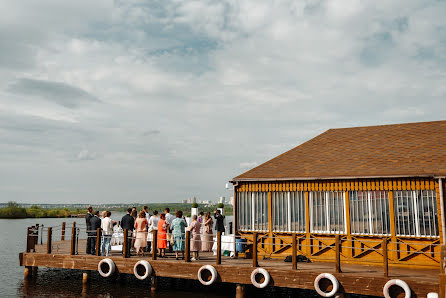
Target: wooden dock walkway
<point>353,278</point>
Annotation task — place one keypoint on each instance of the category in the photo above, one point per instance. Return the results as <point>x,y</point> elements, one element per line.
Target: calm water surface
<point>68,283</point>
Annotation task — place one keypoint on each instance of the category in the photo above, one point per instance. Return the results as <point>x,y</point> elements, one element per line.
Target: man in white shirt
<point>169,219</point>
<point>107,232</point>
<point>146,211</point>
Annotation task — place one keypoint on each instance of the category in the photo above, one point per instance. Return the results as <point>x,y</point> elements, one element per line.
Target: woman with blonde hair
<point>206,244</point>
<point>195,237</point>
<point>141,233</point>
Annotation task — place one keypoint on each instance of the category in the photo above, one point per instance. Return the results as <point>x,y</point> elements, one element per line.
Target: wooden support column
<point>218,248</point>
<point>125,246</point>
<point>49,240</point>
<point>270,248</point>
<point>350,243</point>
<point>307,225</point>
<point>338,253</point>
<point>294,252</point>
<point>154,244</point>
<point>73,240</point>
<point>385,258</point>
<point>98,242</point>
<point>62,237</point>
<point>393,246</point>
<point>240,291</point>
<point>187,252</point>
<point>255,262</point>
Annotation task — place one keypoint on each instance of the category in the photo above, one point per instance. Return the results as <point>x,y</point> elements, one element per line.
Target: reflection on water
<point>68,283</point>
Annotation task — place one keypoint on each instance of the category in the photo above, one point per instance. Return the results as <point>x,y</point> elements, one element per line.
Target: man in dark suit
<point>95,222</point>
<point>128,222</point>
<point>88,224</point>
<point>219,221</point>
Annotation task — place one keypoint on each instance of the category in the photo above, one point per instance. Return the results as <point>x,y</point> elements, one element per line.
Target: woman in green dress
<point>178,226</point>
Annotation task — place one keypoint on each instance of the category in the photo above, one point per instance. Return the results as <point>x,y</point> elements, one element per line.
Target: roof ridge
<point>394,124</point>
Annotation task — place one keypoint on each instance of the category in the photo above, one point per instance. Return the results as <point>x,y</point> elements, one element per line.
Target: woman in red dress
<point>162,235</point>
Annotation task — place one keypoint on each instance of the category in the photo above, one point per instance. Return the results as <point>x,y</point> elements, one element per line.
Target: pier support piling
<point>86,277</point>
<point>28,271</point>
<point>154,284</point>
<point>240,291</point>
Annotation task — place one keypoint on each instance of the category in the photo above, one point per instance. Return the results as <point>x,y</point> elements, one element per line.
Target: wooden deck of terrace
<point>354,278</point>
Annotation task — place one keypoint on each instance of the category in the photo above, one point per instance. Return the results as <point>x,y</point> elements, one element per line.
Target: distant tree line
<point>13,210</point>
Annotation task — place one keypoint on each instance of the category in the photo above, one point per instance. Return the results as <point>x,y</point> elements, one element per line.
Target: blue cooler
<point>239,245</point>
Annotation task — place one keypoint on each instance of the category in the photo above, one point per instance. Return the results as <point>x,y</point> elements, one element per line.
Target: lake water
<point>68,283</point>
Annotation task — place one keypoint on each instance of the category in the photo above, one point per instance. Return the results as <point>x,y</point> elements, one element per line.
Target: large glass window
<point>252,211</point>
<point>327,212</point>
<point>416,213</point>
<point>260,203</point>
<point>288,211</point>
<point>297,206</point>
<point>369,212</point>
<point>244,208</point>
<point>280,211</point>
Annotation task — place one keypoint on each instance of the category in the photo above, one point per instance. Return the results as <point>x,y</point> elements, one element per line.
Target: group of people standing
<point>170,231</point>
<point>93,223</point>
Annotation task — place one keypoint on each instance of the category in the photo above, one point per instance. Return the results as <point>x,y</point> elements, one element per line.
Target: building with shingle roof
<point>361,184</point>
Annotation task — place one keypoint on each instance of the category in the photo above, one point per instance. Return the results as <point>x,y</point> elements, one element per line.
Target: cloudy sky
<point>157,101</point>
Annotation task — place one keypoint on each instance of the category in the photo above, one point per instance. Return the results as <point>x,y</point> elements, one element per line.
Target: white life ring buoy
<point>266,276</point>
<point>213,272</point>
<point>106,267</point>
<point>399,283</point>
<point>331,278</point>
<point>143,266</point>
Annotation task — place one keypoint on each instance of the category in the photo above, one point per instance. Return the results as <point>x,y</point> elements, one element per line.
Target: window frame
<point>327,204</point>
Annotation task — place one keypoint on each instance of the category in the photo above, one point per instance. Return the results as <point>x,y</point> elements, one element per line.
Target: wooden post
<point>125,246</point>
<point>73,240</point>
<point>154,245</point>
<point>36,239</point>
<point>255,263</point>
<point>442,282</point>
<point>28,240</point>
<point>338,254</point>
<point>218,248</point>
<point>187,252</point>
<point>385,258</point>
<point>98,242</point>
<point>294,252</point>
<point>62,238</point>
<point>442,256</point>
<point>240,291</point>
<point>74,224</point>
<point>49,240</point>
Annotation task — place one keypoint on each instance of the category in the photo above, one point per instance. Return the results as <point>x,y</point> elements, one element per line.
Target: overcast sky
<point>157,101</point>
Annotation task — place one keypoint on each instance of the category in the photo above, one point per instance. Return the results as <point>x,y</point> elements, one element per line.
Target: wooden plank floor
<point>355,278</point>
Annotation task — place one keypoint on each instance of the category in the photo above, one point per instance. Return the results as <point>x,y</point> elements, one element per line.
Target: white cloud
<point>191,91</point>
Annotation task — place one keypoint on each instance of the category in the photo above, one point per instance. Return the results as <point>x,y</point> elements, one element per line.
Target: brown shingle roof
<point>410,150</point>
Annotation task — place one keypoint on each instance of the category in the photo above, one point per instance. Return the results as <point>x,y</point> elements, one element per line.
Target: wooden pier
<point>353,278</point>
